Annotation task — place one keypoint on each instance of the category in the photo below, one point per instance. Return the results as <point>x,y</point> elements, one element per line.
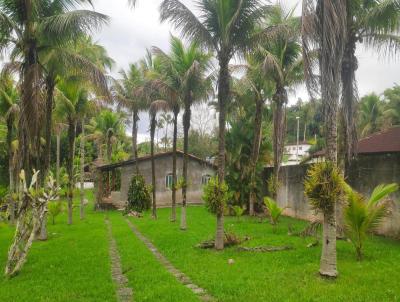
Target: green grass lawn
<point>281,276</point>
<point>74,264</point>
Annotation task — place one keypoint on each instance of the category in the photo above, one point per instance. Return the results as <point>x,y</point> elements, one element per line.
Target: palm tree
<point>29,29</point>
<point>9,108</point>
<point>324,32</point>
<point>188,68</point>
<point>364,216</point>
<point>155,107</point>
<point>167,120</point>
<point>129,93</point>
<point>283,65</point>
<point>375,24</point>
<point>370,114</point>
<point>226,27</point>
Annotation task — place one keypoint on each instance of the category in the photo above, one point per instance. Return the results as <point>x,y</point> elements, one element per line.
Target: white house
<point>294,154</point>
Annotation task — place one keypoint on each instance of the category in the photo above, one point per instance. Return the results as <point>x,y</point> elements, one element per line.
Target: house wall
<point>163,166</point>
<point>366,173</point>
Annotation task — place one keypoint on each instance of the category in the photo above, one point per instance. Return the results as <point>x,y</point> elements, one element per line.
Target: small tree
<point>363,216</point>
<point>55,208</point>
<point>238,211</point>
<point>323,186</point>
<point>216,196</point>
<point>139,198</point>
<point>274,211</point>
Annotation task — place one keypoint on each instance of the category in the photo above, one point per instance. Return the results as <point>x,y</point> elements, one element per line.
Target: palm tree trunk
<point>109,148</point>
<point>70,166</point>
<point>255,152</point>
<point>349,97</point>
<point>153,168</point>
<point>10,169</point>
<point>223,99</point>
<point>58,159</point>
<point>135,119</point>
<point>82,164</point>
<point>280,100</point>
<point>50,84</point>
<point>174,143</point>
<point>186,126</point>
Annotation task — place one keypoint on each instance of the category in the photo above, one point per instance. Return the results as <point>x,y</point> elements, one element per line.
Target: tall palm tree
<point>105,128</point>
<point>155,107</point>
<point>283,65</point>
<point>129,93</point>
<point>189,66</point>
<point>29,28</point>
<point>376,24</point>
<point>324,31</point>
<point>370,115</point>
<point>226,27</point>
<point>9,108</point>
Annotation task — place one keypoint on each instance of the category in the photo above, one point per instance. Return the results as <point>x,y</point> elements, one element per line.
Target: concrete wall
<point>163,165</point>
<point>366,173</point>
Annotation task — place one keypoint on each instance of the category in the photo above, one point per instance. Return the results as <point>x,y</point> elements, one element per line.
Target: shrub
<point>274,211</point>
<point>323,186</point>
<point>139,198</point>
<point>216,196</point>
<point>55,208</point>
<point>238,211</point>
<point>363,216</point>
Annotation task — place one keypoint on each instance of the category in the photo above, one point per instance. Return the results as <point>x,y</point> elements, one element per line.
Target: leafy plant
<point>216,195</point>
<point>55,208</point>
<point>323,186</point>
<point>364,216</point>
<point>139,198</point>
<point>238,211</point>
<point>274,211</point>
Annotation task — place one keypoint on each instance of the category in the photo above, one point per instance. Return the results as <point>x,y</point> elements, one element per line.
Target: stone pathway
<point>124,292</point>
<point>181,277</point>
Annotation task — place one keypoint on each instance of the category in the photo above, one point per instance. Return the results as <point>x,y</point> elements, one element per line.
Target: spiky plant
<point>274,211</point>
<point>364,216</point>
<point>323,187</point>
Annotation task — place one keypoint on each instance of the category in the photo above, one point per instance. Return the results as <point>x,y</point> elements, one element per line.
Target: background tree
<point>155,107</point>
<point>227,29</point>
<point>283,64</point>
<point>375,24</point>
<point>189,65</point>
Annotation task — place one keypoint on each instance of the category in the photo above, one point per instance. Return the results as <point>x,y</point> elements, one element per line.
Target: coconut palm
<point>155,107</point>
<point>370,114</point>
<point>392,108</point>
<point>324,32</point>
<point>129,93</point>
<point>28,28</point>
<point>375,24</point>
<point>188,66</point>
<point>89,59</point>
<point>283,65</point>
<point>226,27</point>
<point>9,108</point>
<point>364,216</point>
<point>105,128</point>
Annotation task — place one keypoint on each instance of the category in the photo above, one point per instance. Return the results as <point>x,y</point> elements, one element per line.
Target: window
<point>205,179</point>
<point>168,180</point>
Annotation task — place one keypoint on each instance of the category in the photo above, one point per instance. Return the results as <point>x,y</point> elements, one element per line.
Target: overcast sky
<point>131,31</point>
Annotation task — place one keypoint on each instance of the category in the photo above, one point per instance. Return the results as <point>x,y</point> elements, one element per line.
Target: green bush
<point>323,186</point>
<point>274,211</point>
<point>55,208</point>
<point>216,195</point>
<point>139,198</point>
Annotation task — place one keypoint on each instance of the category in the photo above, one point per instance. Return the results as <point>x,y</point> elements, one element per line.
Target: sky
<point>132,31</point>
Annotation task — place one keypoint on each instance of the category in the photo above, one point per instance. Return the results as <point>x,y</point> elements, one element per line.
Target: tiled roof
<point>386,141</point>
<point>148,157</point>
